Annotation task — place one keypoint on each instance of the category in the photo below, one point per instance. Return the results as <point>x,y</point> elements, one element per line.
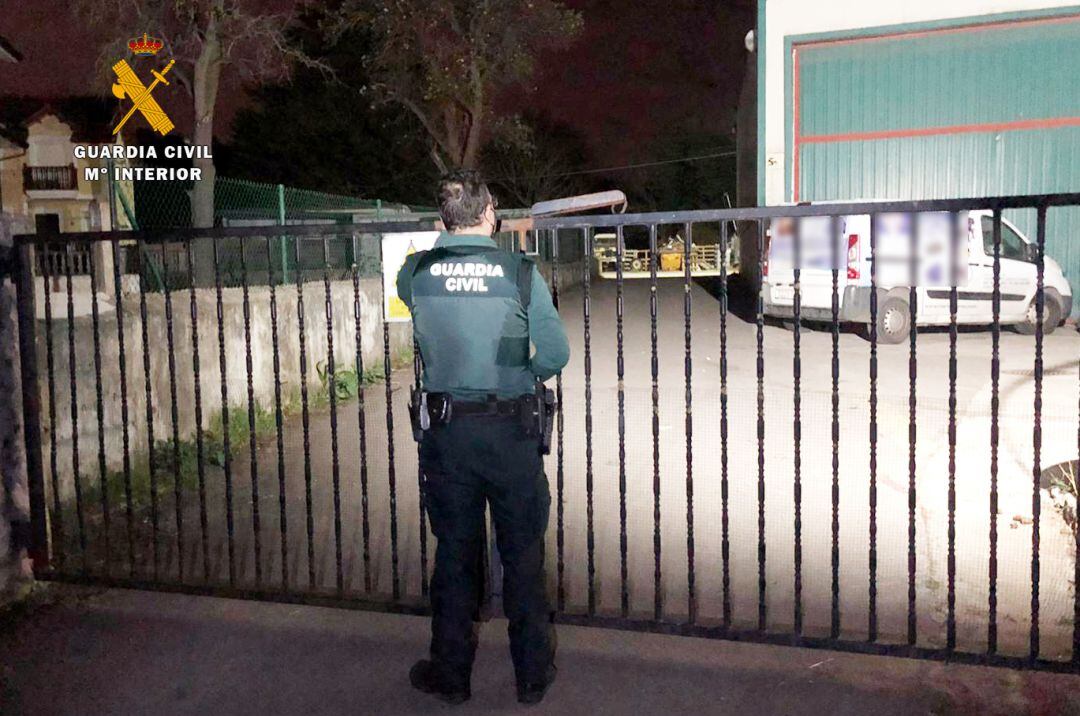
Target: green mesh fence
<point>237,202</point>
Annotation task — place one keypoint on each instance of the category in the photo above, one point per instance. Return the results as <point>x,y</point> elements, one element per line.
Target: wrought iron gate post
<point>23,274</point>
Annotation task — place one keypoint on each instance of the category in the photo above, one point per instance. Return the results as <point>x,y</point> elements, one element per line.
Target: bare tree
<point>531,158</point>
<point>445,60</point>
<point>206,38</point>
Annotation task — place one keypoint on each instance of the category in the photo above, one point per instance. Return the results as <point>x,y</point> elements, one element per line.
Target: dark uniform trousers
<point>471,460</point>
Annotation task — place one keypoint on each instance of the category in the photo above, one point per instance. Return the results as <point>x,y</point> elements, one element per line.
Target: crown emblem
<point>145,45</point>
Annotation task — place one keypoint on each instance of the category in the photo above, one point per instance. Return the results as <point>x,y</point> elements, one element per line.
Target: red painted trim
<point>1018,125</point>
<point>978,27</point>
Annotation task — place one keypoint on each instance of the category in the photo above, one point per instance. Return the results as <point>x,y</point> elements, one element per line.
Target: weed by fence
<point>175,464</point>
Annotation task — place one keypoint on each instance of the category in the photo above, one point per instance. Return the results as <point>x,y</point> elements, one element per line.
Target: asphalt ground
<point>128,652</point>
<point>690,483</point>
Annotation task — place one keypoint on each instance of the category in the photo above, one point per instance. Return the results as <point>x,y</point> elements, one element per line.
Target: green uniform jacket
<point>468,319</point>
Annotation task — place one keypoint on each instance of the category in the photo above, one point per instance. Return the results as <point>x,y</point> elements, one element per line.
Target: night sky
<point>640,71</point>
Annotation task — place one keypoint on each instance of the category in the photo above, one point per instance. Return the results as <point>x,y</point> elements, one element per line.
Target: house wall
<point>75,215</point>
<point>49,143</point>
<point>781,19</point>
<point>12,199</point>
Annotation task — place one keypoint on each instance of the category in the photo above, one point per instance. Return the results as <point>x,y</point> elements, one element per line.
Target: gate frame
<point>31,405</point>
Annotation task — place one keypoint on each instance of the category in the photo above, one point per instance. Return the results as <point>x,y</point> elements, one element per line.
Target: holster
<point>418,414</point>
<point>427,410</point>
<point>538,416</point>
<point>548,404</point>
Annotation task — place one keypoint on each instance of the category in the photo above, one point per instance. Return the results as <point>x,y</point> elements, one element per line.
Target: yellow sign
<point>395,249</point>
<point>131,86</point>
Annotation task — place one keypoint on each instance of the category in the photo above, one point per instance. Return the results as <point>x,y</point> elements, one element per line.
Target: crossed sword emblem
<point>131,86</point>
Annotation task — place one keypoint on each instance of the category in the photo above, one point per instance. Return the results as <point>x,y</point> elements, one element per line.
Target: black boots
<point>425,677</point>
<point>533,692</point>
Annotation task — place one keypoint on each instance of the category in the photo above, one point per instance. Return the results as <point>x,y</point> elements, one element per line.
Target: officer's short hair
<point>462,197</point>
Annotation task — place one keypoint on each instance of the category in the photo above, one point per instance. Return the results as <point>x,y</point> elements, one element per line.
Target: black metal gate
<point>187,422</point>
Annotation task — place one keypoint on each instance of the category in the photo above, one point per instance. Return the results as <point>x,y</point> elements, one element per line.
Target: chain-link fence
<point>159,205</point>
<point>238,202</point>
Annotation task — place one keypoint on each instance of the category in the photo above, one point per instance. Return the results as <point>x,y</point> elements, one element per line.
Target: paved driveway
<point>122,652</point>
<point>676,475</point>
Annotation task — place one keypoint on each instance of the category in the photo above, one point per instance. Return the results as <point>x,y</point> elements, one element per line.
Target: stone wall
<point>77,331</point>
<point>570,273</point>
<point>232,329</point>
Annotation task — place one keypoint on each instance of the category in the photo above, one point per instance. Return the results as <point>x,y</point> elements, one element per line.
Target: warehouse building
<point>856,100</point>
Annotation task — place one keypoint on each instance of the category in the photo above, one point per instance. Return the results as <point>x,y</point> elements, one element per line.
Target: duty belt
<point>536,412</point>
<point>489,407</point>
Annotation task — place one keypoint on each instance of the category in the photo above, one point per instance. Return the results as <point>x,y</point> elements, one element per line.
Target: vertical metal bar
<point>1076,580</point>
<point>253,455</point>
<point>68,260</point>
<point>590,539</point>
<point>762,614</point>
<point>796,428</point>
<point>175,416</point>
<point>361,419</point>
<point>560,535</point>
<point>200,455</point>
<point>913,310</point>
<point>725,543</point>
<point>1076,577</point>
<point>279,416</point>
<point>305,414</point>
<point>283,240</point>
<point>995,435</point>
<point>226,448</point>
<point>140,247</point>
<point>1036,437</point>
<point>954,254</point>
<point>125,428</point>
<point>420,480</point>
<point>838,238</point>
<point>391,472</point>
<point>658,591</point>
<point>872,627</point>
<point>57,517</point>
<point>31,402</point>
<point>620,370</point>
<point>103,471</point>
<point>688,370</point>
<point>331,374</point>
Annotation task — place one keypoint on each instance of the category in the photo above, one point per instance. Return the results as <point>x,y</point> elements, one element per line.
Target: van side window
<point>1012,246</point>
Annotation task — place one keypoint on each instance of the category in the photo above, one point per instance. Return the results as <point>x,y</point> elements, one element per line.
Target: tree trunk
<point>205,88</point>
<point>437,159</point>
<point>454,148</point>
<point>472,140</point>
<point>204,94</point>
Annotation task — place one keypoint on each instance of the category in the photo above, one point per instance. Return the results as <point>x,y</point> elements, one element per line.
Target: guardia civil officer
<point>482,417</point>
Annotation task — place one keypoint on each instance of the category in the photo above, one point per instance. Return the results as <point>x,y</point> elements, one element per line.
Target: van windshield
<point>1012,246</point>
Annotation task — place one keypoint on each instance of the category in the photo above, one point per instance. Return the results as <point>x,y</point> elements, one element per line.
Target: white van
<point>931,268</point>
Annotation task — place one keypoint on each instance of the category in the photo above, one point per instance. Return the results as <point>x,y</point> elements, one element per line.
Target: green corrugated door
<point>985,110</point>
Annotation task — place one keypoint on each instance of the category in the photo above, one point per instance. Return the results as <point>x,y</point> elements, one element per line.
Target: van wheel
<point>1051,315</point>
<point>893,321</point>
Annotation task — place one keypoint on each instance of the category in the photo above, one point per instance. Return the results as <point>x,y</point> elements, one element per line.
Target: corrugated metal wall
<point>920,115</point>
